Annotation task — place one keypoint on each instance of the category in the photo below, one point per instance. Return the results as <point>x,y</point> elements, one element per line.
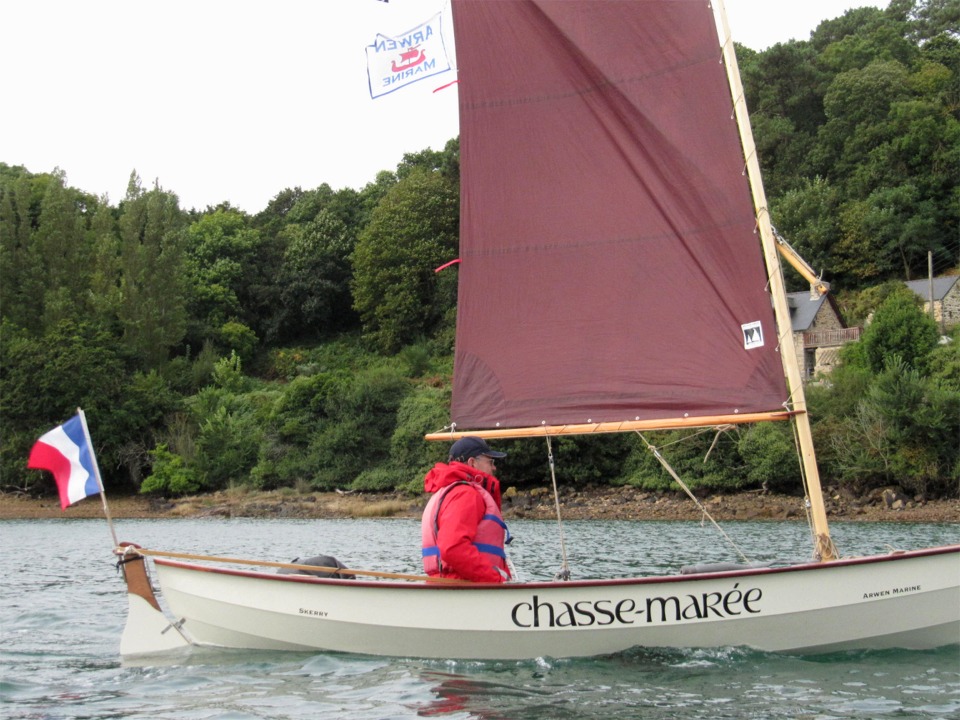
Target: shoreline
<point>596,503</point>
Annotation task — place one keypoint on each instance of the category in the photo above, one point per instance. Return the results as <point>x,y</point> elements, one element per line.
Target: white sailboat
<point>618,273</point>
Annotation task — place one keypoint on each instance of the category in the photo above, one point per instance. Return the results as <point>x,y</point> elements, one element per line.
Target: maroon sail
<point>610,268</point>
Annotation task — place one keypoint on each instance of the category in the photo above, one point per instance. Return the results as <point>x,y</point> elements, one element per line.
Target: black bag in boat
<point>324,561</point>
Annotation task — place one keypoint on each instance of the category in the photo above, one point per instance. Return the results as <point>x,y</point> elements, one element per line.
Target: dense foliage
<point>310,345</point>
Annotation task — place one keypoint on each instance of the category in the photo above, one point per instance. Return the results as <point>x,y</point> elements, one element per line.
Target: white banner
<point>395,62</point>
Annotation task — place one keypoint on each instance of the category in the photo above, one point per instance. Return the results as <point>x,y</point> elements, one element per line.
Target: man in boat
<point>463,529</point>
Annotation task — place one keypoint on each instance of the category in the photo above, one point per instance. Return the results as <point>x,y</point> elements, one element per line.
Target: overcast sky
<point>235,100</point>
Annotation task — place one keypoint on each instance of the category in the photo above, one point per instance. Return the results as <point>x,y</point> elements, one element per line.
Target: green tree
<point>227,443</point>
<point>891,141</point>
<point>360,417</point>
<point>272,218</point>
<point>284,457</point>
<point>808,218</point>
<point>44,379</point>
<point>412,231</point>
<point>875,35</point>
<point>45,256</point>
<point>236,338</point>
<point>930,18</point>
<point>770,457</point>
<point>899,329</point>
<point>856,102</point>
<point>67,258</point>
<point>152,306</point>
<point>170,474</point>
<point>903,431</point>
<point>22,281</point>
<point>853,22</point>
<point>105,279</point>
<point>307,239</point>
<point>315,278</point>
<point>855,258</point>
<point>891,414</point>
<point>221,253</point>
<point>785,88</point>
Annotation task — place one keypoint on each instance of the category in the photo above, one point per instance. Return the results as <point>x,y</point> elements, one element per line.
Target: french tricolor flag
<point>65,451</point>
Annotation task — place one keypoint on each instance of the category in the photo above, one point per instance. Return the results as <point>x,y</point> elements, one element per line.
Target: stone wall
<point>826,319</point>
<point>819,359</point>
<point>947,311</point>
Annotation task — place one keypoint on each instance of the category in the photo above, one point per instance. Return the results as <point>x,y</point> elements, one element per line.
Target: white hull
<point>908,600</point>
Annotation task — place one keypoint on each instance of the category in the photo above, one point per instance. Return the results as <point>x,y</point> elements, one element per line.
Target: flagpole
<point>96,473</point>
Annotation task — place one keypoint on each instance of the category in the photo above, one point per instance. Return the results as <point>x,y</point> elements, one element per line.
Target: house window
<point>809,363</point>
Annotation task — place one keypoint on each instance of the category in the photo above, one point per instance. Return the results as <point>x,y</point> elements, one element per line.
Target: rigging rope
<point>564,573</point>
<point>666,466</point>
<point>806,491</point>
<point>716,439</point>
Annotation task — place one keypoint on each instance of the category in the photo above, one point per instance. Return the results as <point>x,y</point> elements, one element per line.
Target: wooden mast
<point>824,549</point>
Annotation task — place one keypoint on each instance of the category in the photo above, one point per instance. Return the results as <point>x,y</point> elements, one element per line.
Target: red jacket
<point>460,514</point>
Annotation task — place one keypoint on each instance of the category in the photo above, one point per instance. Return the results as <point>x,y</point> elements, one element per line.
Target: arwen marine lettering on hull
<point>628,611</point>
<point>893,591</point>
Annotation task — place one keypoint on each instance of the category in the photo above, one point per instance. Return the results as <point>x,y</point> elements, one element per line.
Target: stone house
<point>818,332</point>
<point>946,299</point>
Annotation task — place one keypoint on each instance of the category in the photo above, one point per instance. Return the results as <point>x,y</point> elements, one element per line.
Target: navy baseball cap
<point>468,447</point>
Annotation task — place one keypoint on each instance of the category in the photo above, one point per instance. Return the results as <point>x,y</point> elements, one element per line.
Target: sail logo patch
<point>395,62</point>
<point>752,335</point>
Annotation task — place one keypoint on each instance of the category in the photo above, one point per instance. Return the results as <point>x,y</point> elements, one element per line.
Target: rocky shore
<point>596,503</point>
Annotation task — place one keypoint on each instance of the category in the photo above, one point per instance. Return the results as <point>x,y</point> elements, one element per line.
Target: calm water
<point>62,609</point>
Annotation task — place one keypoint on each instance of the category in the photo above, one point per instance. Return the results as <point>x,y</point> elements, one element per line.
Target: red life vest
<point>492,533</point>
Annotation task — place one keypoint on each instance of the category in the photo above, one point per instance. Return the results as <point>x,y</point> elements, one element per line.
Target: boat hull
<point>906,600</point>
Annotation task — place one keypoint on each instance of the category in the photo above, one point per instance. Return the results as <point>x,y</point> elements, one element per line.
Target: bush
<point>382,478</point>
<point>44,379</point>
<point>704,460</point>
<point>282,465</point>
<point>770,458</point>
<point>227,446</point>
<point>944,361</point>
<point>901,329</point>
<point>228,374</point>
<point>238,338</point>
<point>170,475</point>
<point>422,411</point>
<point>360,416</point>
<point>578,461</point>
<point>904,431</point>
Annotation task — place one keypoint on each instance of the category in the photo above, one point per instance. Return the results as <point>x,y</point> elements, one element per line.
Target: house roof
<point>803,309</point>
<point>941,286</point>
